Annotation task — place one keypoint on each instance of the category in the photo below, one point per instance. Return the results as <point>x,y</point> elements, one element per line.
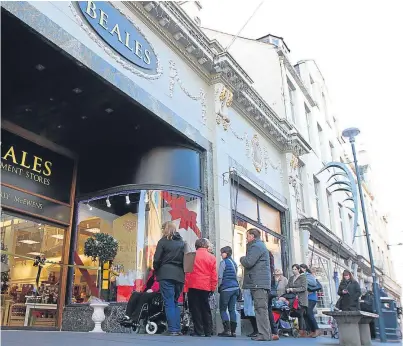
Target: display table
<point>37,306</point>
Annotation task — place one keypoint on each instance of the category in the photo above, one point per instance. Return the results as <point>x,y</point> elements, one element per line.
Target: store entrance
<point>29,293</point>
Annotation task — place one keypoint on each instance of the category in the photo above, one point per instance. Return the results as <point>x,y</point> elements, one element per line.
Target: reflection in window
<point>135,221</point>
<point>21,287</point>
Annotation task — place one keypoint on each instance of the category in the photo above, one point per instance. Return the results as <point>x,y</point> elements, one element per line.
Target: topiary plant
<point>102,246</point>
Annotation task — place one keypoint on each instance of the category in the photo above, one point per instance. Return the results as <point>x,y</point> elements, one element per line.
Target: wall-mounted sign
<point>120,33</point>
<point>35,169</point>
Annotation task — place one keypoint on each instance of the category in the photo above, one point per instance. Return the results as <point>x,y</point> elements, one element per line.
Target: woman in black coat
<point>349,292</point>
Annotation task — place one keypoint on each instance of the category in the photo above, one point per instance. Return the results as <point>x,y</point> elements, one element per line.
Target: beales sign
<point>35,179</point>
<point>120,34</point>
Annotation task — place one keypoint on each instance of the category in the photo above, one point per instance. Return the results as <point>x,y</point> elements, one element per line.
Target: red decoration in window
<point>180,211</point>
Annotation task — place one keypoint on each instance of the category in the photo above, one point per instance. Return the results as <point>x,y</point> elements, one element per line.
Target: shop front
<point>79,157</point>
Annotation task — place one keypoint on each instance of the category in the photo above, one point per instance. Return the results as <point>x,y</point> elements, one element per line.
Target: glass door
<point>29,293</point>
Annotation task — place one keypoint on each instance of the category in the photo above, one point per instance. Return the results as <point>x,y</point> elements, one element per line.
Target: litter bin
<point>389,316</point>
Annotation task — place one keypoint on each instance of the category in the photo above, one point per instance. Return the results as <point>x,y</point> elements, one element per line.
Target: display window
<point>135,220</point>
<point>30,293</point>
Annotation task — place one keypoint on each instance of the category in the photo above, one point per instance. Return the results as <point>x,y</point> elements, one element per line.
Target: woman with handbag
<point>228,287</point>
<point>201,283</point>
<point>298,285</point>
<point>349,292</point>
<point>313,287</point>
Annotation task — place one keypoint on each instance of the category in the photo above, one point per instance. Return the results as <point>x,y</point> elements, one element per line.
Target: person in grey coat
<point>257,278</point>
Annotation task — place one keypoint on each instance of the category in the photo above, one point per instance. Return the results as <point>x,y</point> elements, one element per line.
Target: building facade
<point>123,116</point>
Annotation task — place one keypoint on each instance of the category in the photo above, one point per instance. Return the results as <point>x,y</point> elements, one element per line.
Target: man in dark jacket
<point>168,265</point>
<point>257,278</point>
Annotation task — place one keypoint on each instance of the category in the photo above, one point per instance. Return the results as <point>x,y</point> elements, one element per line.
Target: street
<point>35,338</point>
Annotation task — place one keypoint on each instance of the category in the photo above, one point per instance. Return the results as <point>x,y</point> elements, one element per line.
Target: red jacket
<point>204,274</point>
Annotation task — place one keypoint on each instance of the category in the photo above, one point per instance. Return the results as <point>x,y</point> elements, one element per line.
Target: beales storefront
<point>87,149</point>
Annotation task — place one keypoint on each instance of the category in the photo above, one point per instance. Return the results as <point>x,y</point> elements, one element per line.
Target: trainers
<point>275,337</point>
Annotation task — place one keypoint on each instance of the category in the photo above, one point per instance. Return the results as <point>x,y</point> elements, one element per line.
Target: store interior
<point>50,94</point>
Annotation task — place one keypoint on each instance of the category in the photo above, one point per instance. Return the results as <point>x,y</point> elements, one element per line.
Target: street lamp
<point>351,133</point>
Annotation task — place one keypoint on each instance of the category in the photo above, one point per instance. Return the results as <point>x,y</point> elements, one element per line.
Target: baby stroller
<point>284,322</point>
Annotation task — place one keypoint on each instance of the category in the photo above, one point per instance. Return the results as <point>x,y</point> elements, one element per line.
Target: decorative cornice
<point>212,63</point>
<point>296,76</point>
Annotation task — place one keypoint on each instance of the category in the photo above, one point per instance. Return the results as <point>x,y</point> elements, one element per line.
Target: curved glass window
<point>135,221</point>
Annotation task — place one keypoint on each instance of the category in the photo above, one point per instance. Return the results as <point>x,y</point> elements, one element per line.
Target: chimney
<point>192,9</point>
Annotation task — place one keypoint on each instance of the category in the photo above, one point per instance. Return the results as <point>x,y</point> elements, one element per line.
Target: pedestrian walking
<point>228,287</point>
<point>257,278</point>
<point>298,285</point>
<point>201,283</point>
<point>313,286</point>
<point>168,265</point>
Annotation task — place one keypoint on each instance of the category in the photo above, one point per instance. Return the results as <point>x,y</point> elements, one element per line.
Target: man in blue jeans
<point>168,264</point>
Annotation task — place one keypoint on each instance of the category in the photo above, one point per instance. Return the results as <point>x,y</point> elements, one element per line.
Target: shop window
<point>270,217</point>
<point>245,203</point>
<point>23,285</point>
<point>135,221</point>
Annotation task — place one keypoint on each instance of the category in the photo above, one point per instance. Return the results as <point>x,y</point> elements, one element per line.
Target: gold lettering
<point>138,49</point>
<point>37,164</point>
<point>24,157</point>
<point>147,58</point>
<point>117,30</point>
<point>11,153</point>
<point>91,7</point>
<point>127,41</point>
<point>103,19</point>
<point>47,171</point>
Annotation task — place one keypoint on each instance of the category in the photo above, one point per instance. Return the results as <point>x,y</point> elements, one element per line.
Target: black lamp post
<point>351,133</point>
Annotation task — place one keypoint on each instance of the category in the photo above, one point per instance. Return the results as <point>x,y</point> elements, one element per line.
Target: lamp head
<point>351,132</point>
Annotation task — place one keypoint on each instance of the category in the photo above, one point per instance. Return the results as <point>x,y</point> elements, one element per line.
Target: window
<point>332,153</point>
<point>341,220</point>
<point>326,110</point>
<point>300,179</point>
<point>330,208</point>
<point>135,221</point>
<point>291,91</point>
<point>316,184</point>
<point>322,146</point>
<point>308,122</point>
<point>351,225</point>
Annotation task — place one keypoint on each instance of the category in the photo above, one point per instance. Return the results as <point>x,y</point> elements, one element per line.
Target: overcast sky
<point>357,46</point>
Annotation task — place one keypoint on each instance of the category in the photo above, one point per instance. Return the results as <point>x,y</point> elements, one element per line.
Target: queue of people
<point>261,284</point>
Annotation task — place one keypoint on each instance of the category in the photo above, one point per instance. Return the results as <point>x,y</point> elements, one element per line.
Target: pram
<point>152,317</point>
<point>284,322</point>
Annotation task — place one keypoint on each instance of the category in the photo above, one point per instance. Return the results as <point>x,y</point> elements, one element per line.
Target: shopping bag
<point>188,259</point>
<point>124,293</point>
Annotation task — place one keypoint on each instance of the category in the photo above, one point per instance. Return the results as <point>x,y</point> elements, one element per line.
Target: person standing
<point>228,287</point>
<point>349,292</point>
<point>281,282</point>
<point>298,285</point>
<point>201,283</point>
<point>257,278</point>
<point>168,265</point>
<point>313,287</point>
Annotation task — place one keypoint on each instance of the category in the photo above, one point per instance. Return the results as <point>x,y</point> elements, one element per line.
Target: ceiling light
<point>40,67</point>
<point>109,110</point>
<point>89,207</point>
<point>30,242</point>
<point>58,236</point>
<point>51,99</point>
<point>77,90</point>
<point>35,253</point>
<point>108,203</point>
<point>84,117</point>
<point>128,199</point>
<point>93,230</point>
<point>59,126</point>
<point>28,109</point>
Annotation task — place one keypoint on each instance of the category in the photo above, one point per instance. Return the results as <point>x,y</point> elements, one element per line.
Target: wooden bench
<point>353,327</point>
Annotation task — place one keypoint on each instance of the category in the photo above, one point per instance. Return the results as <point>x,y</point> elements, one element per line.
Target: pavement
<point>38,338</point>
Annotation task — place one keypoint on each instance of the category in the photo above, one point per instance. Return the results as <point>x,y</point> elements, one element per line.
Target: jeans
<point>171,290</point>
<point>228,301</point>
<point>310,320</point>
<point>200,310</point>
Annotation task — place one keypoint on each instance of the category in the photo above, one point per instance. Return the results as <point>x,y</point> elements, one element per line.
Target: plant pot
<point>98,316</point>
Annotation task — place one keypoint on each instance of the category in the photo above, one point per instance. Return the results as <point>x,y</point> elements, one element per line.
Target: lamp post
<point>351,133</point>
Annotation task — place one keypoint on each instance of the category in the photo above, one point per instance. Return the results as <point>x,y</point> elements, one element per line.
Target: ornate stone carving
<point>223,100</point>
<point>293,181</point>
<point>257,153</point>
<point>122,61</point>
<point>174,79</point>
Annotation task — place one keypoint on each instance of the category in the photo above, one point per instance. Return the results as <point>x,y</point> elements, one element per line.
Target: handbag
<point>188,259</point>
<point>316,288</point>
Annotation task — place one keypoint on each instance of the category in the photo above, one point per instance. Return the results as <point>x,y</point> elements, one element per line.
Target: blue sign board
<point>120,34</point>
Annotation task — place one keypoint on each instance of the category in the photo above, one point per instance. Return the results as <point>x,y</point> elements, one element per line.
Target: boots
<point>233,329</point>
<point>226,332</point>
<point>255,332</point>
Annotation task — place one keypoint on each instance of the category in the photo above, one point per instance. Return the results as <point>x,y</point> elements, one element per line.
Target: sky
<point>357,46</point>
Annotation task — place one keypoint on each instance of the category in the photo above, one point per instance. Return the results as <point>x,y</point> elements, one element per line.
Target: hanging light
<point>128,199</point>
<point>108,202</point>
<point>89,207</point>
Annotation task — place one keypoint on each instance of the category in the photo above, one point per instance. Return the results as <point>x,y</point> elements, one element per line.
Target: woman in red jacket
<point>200,283</point>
